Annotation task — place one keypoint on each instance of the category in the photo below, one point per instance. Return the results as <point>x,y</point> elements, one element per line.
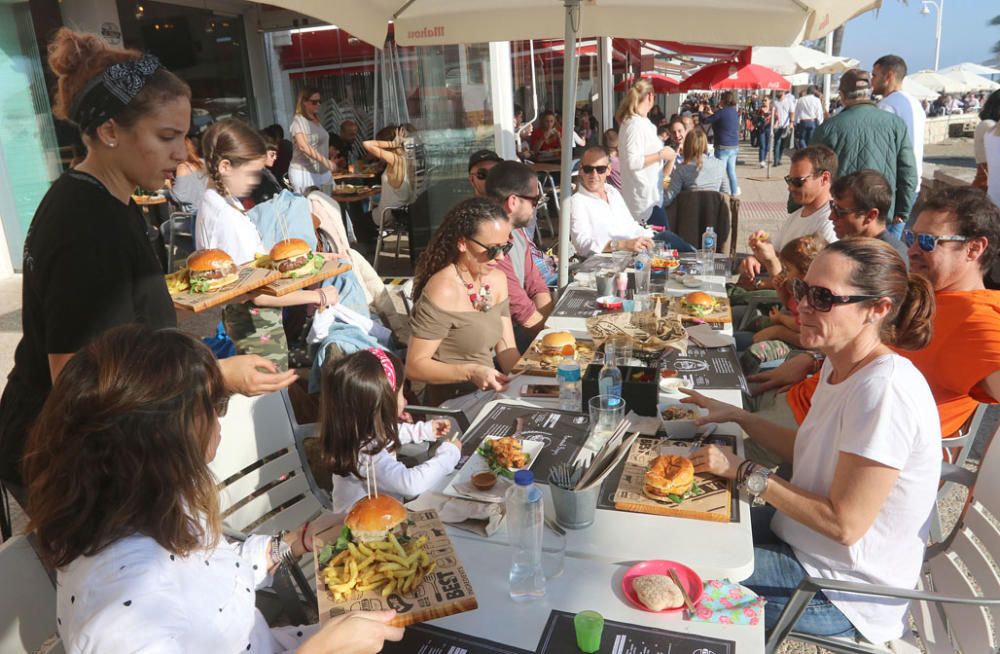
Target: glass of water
<point>606,411</point>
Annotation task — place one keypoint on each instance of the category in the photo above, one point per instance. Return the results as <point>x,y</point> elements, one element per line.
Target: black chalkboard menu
<point>563,433</point>
<point>559,637</point>
<point>707,368</point>
<point>427,639</point>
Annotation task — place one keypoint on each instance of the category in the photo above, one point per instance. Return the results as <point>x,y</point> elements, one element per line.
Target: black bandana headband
<point>107,94</point>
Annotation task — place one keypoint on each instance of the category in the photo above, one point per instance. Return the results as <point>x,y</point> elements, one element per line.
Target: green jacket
<point>864,136</point>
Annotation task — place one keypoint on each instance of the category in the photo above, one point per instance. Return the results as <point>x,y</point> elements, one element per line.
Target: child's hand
<point>775,315</point>
<point>440,428</point>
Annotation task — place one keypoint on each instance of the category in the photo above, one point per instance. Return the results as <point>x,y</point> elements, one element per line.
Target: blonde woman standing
<point>311,165</point>
<point>642,156</point>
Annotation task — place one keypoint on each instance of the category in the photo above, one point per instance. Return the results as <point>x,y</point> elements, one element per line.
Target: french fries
<point>387,566</point>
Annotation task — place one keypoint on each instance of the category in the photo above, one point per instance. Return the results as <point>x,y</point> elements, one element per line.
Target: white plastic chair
<point>952,606</point>
<point>265,483</point>
<point>28,604</point>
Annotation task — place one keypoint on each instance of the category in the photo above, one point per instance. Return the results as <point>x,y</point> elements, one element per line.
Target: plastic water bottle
<point>642,270</point>
<point>568,375</point>
<point>525,522</point>
<point>707,253</point>
<point>609,380</point>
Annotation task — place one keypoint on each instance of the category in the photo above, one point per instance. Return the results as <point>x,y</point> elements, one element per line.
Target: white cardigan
<point>642,186</point>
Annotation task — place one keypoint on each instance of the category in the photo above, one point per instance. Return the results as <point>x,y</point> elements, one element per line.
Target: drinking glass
<point>589,627</point>
<point>606,411</point>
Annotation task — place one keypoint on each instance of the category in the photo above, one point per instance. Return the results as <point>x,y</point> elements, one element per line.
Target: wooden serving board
<point>722,314</point>
<point>285,286</point>
<point>533,363</point>
<point>445,591</point>
<point>251,278</point>
<point>715,504</point>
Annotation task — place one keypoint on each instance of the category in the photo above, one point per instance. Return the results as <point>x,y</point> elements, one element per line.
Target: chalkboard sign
<point>559,637</point>
<point>427,639</point>
<point>707,368</point>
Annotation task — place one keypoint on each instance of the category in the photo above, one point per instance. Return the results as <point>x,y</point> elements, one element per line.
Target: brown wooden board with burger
<point>544,355</point>
<point>660,479</point>
<point>211,278</point>
<point>384,557</point>
<point>699,305</point>
<point>298,266</point>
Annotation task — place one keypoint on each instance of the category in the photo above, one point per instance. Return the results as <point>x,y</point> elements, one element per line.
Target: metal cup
<point>574,509</point>
<point>605,283</point>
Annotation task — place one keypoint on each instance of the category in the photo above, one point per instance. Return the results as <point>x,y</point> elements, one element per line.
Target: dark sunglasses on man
<point>797,182</point>
<point>822,299</point>
<point>533,199</point>
<point>493,250</point>
<point>927,241</point>
<point>589,170</point>
<point>840,211</point>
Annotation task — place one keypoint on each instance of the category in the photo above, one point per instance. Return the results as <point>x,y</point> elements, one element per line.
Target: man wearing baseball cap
<point>479,167</point>
<point>865,137</point>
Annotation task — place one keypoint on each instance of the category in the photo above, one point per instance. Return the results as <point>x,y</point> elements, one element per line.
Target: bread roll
<point>657,592</point>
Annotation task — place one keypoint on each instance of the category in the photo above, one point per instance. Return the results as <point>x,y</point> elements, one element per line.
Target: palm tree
<point>996,46</point>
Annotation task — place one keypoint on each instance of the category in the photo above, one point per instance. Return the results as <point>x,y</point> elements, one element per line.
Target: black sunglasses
<point>482,174</point>
<point>533,199</point>
<point>313,101</point>
<point>929,241</point>
<point>822,299</point>
<point>797,182</point>
<point>840,211</point>
<point>600,170</point>
<point>493,250</point>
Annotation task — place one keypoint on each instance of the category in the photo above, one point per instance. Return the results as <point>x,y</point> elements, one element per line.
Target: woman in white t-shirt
<point>989,115</point>
<point>311,164</point>
<point>991,146</point>
<point>642,156</point>
<point>866,460</point>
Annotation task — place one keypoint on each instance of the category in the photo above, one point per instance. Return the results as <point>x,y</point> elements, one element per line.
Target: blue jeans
<point>765,144</point>
<point>727,155</point>
<point>895,229</point>
<point>803,133</point>
<point>779,143</point>
<point>777,573</point>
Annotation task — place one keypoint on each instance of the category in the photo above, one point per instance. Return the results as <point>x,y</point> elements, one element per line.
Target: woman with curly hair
<point>461,317</point>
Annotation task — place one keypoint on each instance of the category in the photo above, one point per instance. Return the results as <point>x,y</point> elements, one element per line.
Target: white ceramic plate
<point>461,482</point>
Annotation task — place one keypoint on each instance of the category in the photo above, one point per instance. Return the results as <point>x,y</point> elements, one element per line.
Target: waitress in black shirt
<point>88,265</point>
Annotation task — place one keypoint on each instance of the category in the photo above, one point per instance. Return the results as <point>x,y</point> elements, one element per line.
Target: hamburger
<point>211,270</point>
<point>668,475</point>
<point>372,518</point>
<point>698,304</point>
<point>293,258</point>
<point>556,345</point>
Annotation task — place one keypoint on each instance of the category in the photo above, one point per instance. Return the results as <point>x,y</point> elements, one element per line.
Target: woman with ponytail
<point>88,263</point>
<point>642,155</point>
<point>461,316</point>
<point>866,459</point>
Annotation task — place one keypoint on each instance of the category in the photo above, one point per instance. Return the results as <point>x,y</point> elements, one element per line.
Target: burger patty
<point>291,264</point>
<point>218,273</point>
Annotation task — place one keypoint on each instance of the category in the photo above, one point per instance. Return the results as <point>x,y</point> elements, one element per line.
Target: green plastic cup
<point>589,629</point>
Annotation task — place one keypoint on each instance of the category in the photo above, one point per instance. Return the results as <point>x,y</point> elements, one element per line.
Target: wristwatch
<point>755,482</point>
<point>279,548</point>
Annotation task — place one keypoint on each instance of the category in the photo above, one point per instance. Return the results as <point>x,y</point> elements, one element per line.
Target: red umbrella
<point>732,75</point>
<point>661,83</point>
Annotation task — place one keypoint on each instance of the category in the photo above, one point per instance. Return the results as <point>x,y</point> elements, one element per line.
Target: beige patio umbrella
<point>938,82</point>
<point>971,81</point>
<point>445,22</point>
<point>798,59</point>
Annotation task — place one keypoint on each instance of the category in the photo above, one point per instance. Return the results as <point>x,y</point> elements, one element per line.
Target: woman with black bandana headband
<point>88,264</point>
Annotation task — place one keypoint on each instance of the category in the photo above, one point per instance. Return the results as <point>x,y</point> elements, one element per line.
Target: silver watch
<point>756,482</point>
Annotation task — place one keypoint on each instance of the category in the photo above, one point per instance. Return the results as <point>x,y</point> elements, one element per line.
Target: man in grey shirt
<point>859,207</point>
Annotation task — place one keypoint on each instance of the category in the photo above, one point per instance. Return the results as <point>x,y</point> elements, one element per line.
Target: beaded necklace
<point>481,300</point>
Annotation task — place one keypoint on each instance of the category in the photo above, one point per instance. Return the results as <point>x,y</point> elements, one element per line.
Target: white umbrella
<point>972,82</point>
<point>711,22</point>
<point>938,82</point>
<point>969,67</point>
<point>800,59</point>
<point>918,90</point>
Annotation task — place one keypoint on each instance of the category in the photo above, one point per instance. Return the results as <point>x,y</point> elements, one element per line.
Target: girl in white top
<point>397,188</point>
<point>361,405</point>
<point>134,532</point>
<point>866,460</point>
<point>989,115</point>
<point>642,155</point>
<point>311,164</point>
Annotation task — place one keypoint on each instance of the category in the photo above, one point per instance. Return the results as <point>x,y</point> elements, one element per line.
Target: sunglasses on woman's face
<point>797,182</point>
<point>493,250</point>
<point>823,299</point>
<point>317,101</point>
<point>927,241</point>
<point>589,170</point>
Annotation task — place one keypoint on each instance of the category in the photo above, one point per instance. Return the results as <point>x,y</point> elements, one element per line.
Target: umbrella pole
<point>569,114</point>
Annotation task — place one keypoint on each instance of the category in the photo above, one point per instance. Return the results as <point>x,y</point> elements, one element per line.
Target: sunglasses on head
<point>822,299</point>
<point>493,250</point>
<point>600,170</point>
<point>927,241</point>
<point>533,199</point>
<point>797,182</point>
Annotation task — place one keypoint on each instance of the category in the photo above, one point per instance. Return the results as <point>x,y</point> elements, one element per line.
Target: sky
<point>902,30</point>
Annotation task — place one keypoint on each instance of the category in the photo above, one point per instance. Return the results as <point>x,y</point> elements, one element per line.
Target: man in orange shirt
<point>953,243</point>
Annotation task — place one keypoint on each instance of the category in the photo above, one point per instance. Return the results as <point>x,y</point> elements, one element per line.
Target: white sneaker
<point>738,193</point>
<point>763,164</point>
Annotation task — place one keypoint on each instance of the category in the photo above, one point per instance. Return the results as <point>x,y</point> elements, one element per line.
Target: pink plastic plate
<point>691,581</point>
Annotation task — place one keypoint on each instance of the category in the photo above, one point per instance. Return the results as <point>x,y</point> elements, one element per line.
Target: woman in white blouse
<point>643,157</point>
<point>311,164</point>
<point>126,509</point>
<point>866,459</point>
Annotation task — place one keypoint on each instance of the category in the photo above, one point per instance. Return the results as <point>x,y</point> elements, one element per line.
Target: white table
<point>584,584</point>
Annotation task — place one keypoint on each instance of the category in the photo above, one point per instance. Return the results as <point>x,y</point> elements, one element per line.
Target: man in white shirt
<point>808,116</point>
<point>887,80</point>
<point>784,116</point>
<point>809,179</point>
<point>601,221</point>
